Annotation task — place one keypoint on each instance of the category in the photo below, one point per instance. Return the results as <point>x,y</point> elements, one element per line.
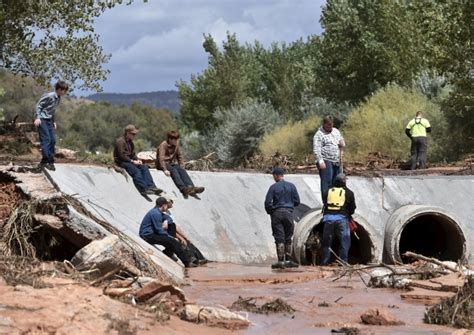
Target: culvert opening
<point>432,235</point>
<point>360,252</point>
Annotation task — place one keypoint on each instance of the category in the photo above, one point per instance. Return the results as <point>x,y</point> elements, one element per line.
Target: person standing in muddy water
<point>280,201</point>
<point>45,122</point>
<point>339,206</point>
<point>328,145</point>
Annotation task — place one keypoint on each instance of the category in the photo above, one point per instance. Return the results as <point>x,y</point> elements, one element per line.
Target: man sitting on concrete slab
<point>175,230</point>
<point>170,160</point>
<point>153,230</point>
<point>126,158</point>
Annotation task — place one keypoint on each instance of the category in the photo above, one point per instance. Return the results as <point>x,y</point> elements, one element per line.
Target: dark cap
<point>278,171</point>
<point>161,201</point>
<point>131,129</point>
<point>340,179</point>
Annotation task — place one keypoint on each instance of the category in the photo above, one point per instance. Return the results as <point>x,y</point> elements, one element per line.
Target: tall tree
<point>53,39</point>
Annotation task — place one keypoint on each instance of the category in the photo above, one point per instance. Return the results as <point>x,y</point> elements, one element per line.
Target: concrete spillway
<point>432,215</point>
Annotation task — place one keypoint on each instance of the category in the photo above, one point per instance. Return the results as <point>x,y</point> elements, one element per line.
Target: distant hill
<point>159,99</point>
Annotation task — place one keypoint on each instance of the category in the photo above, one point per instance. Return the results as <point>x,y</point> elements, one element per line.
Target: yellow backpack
<point>336,198</point>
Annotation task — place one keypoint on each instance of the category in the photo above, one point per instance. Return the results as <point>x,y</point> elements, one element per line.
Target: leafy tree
<point>365,45</point>
<point>53,39</point>
<point>241,128</point>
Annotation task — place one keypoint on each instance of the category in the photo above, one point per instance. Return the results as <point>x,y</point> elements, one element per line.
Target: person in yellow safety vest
<point>416,130</point>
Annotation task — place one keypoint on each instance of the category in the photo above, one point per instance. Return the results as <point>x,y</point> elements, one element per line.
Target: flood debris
<point>380,317</point>
<point>457,311</point>
<point>214,316</point>
<point>346,330</point>
<point>274,306</point>
<point>104,258</point>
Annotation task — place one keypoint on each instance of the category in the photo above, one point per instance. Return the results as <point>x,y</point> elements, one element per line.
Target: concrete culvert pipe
<point>426,230</point>
<point>363,249</point>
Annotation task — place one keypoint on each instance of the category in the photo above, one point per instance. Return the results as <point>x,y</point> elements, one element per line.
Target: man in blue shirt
<point>339,205</point>
<point>44,121</point>
<point>281,199</point>
<point>153,230</point>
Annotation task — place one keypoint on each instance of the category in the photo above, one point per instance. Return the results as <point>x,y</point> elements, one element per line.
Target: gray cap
<point>278,171</point>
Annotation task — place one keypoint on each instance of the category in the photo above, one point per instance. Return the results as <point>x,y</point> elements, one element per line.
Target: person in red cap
<point>126,158</point>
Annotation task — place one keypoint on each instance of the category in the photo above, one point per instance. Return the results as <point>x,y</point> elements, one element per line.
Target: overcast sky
<point>155,44</point>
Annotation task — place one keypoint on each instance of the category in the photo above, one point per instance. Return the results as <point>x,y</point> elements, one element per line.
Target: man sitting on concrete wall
<point>126,158</point>
<point>153,229</point>
<point>169,159</point>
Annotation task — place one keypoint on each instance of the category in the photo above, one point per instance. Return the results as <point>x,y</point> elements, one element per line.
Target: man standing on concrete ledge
<point>281,199</point>
<point>170,160</point>
<point>339,205</point>
<point>125,157</point>
<point>44,121</point>
<point>416,130</point>
<point>328,145</point>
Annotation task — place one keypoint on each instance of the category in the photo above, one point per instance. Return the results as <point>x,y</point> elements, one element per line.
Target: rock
<point>153,288</point>
<point>65,153</point>
<point>105,255</point>
<point>214,316</point>
<point>147,156</point>
<point>378,317</point>
<point>51,221</point>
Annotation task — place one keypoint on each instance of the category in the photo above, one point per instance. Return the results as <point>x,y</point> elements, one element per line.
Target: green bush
<point>293,138</point>
<point>378,125</point>
<point>241,128</point>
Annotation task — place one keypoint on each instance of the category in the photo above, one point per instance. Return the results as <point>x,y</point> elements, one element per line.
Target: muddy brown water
<point>220,284</point>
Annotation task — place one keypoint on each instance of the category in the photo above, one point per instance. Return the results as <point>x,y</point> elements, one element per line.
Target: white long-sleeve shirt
<point>326,146</point>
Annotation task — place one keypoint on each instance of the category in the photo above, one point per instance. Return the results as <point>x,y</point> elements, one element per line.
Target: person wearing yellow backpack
<point>416,130</point>
<point>339,205</point>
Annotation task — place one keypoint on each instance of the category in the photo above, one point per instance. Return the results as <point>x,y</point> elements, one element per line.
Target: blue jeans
<point>336,229</point>
<point>47,137</point>
<point>140,174</point>
<point>180,176</point>
<point>328,175</point>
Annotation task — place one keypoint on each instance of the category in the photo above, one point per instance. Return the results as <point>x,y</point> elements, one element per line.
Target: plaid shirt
<point>326,145</point>
<point>46,106</point>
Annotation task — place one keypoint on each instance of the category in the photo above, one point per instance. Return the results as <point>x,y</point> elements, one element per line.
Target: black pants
<point>171,246</point>
<point>282,225</point>
<point>191,250</point>
<point>180,176</point>
<point>419,148</point>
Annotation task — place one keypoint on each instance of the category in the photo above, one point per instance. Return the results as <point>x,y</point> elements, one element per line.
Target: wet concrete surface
<point>220,284</point>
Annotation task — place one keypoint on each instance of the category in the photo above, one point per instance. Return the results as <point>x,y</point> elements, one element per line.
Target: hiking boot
<point>187,191</point>
<point>41,166</point>
<point>288,260</point>
<point>202,261</point>
<point>190,265</point>
<point>50,166</point>
<point>280,249</point>
<point>198,189</point>
<point>144,194</point>
<point>278,265</point>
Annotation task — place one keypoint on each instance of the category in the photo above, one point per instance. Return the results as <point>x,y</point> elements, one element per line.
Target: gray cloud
<point>157,43</point>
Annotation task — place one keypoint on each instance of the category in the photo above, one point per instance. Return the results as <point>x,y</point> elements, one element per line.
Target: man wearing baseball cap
<point>126,158</point>
<point>153,229</point>
<point>281,199</point>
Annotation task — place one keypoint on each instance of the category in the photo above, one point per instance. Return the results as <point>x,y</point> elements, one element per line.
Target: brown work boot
<point>187,191</point>
<point>199,189</point>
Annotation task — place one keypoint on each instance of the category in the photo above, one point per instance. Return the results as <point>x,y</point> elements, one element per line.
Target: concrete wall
<point>230,224</point>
